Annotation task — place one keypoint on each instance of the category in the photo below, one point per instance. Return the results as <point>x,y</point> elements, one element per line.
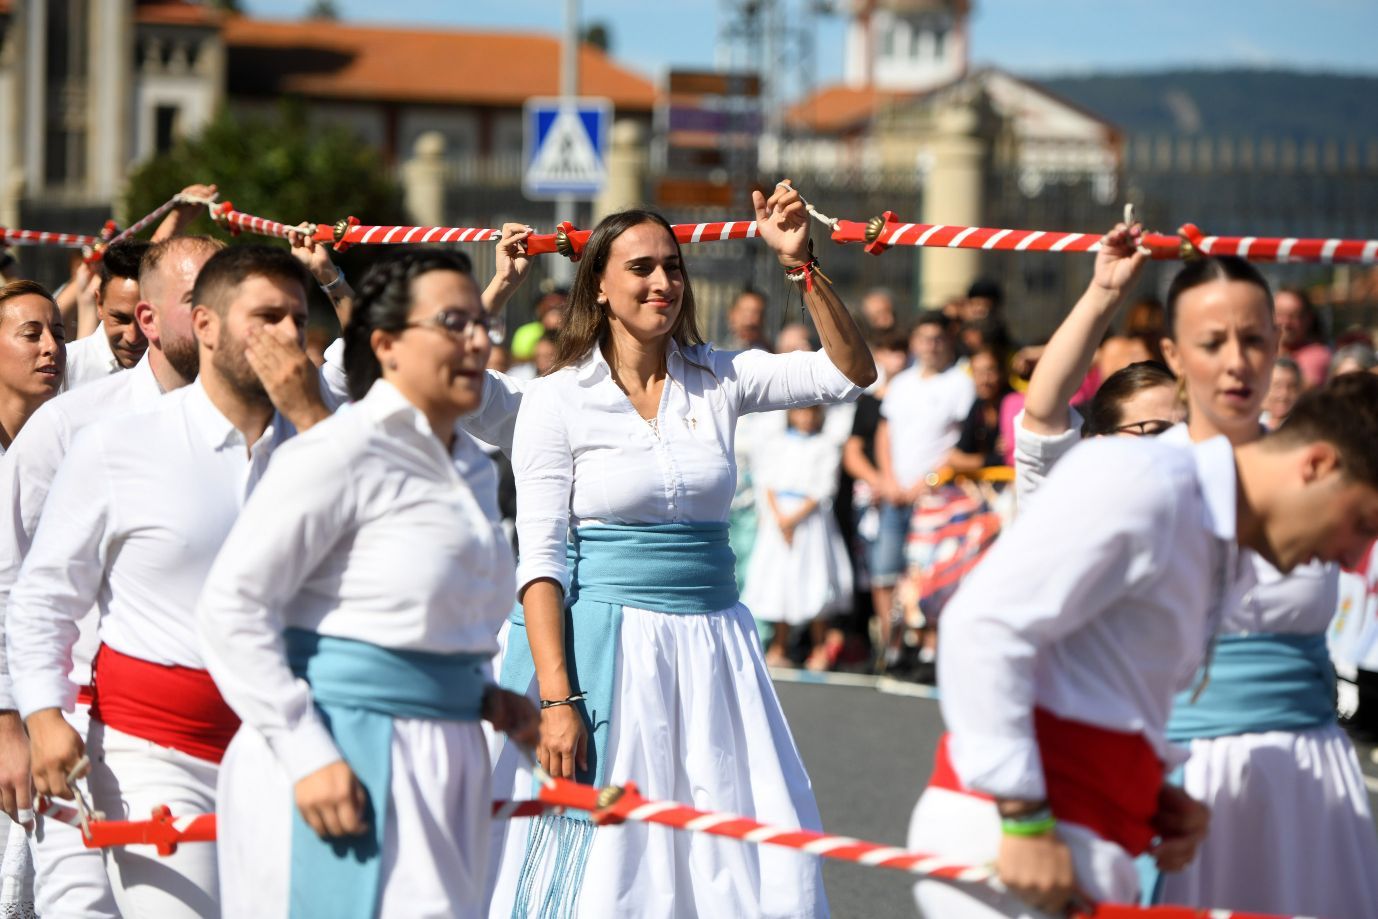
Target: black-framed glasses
<point>1150,428</point>
<point>463,325</point>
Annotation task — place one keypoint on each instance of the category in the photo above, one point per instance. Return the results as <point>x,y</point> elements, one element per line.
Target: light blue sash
<point>681,568</point>
<point>359,688</point>
<point>1258,683</point>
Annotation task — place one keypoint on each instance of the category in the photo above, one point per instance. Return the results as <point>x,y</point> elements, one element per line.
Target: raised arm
<point>783,222</point>
<point>331,278</point>
<point>1069,353</point>
<point>181,216</point>
<point>512,267</point>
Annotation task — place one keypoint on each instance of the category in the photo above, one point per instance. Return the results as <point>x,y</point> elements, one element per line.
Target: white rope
<point>831,222</point>
<point>181,198</point>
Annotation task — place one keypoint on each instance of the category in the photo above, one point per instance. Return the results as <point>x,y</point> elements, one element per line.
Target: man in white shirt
<point>135,516</point>
<point>921,421</point>
<point>1062,652</point>
<point>68,873</point>
<point>117,342</point>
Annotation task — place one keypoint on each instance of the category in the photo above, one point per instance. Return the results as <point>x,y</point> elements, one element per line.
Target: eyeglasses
<point>1150,428</point>
<point>464,325</point>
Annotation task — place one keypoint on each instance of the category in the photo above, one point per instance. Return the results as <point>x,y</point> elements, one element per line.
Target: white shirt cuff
<point>42,691</point>
<point>1003,767</point>
<point>305,749</point>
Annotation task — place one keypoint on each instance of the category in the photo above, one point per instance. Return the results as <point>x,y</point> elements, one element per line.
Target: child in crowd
<point>799,568</point>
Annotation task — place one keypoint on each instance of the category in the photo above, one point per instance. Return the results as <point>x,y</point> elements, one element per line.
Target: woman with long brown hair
<point>647,667</point>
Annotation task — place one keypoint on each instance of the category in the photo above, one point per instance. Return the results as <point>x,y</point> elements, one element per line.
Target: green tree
<point>277,166</point>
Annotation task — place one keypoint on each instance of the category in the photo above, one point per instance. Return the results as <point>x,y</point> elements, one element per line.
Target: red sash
<point>176,707</point>
<point>1102,779</point>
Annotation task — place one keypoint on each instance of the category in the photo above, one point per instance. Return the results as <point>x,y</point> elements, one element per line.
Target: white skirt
<point>796,582</point>
<point>696,721</point>
<point>435,845</point>
<point>1291,831</point>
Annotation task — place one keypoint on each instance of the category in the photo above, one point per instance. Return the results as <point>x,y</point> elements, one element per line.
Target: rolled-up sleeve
<point>543,465</point>
<point>768,382</point>
<point>1060,566</point>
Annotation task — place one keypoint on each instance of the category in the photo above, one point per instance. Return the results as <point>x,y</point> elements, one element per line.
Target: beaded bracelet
<point>553,703</point>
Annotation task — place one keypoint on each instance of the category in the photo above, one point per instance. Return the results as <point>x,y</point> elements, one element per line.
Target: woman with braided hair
<point>349,620</point>
<point>631,634</point>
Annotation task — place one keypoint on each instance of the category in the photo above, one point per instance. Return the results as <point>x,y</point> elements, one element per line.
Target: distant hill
<point>1277,103</point>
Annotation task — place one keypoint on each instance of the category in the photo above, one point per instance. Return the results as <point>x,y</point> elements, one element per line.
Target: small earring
<point>392,365</point>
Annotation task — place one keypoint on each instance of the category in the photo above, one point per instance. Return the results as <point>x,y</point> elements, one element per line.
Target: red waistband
<point>1102,779</point>
<point>176,707</point>
<point>85,695</point>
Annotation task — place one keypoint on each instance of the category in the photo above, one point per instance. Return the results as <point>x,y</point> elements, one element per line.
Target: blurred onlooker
<point>547,350</point>
<point>499,358</point>
<point>1295,318</point>
<point>32,354</point>
<point>550,316</point>
<point>980,443</point>
<point>984,298</point>
<point>870,490</point>
<point>1119,351</point>
<point>1283,392</point>
<point>1146,319</point>
<point>921,418</point>
<point>746,322</point>
<point>793,337</point>
<point>1353,358</point>
<point>878,309</point>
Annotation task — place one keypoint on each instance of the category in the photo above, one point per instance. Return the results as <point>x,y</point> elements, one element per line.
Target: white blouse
<point>582,454</point>
<point>1098,604</point>
<point>362,528</point>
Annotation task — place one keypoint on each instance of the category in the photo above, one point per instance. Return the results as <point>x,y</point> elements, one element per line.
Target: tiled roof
<point>324,59</point>
<point>175,12</point>
<point>841,108</point>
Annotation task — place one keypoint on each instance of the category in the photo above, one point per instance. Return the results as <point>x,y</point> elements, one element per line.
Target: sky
<point>1028,37</point>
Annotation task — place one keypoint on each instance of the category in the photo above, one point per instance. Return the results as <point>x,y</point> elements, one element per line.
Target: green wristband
<point>1035,823</point>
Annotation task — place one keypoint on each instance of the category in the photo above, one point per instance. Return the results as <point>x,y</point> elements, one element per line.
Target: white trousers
<point>69,879</point>
<point>966,829</point>
<point>129,778</point>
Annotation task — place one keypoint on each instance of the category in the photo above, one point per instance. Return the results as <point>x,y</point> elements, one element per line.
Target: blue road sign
<point>564,147</point>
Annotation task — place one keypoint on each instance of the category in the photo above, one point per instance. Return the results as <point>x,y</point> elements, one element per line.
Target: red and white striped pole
<point>614,805</point>
<point>43,238</point>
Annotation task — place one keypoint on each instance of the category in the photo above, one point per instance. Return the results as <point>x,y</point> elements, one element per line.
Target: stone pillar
<point>628,162</point>
<point>11,119</point>
<point>109,121</point>
<point>423,180</point>
<point>35,86</point>
<point>953,195</point>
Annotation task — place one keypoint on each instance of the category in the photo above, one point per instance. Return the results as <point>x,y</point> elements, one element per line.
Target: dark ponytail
<point>384,302</point>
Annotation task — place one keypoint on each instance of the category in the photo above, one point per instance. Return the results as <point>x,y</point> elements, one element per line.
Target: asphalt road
<point>869,755</point>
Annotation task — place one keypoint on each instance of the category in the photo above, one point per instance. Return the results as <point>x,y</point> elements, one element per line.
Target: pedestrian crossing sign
<point>564,147</point>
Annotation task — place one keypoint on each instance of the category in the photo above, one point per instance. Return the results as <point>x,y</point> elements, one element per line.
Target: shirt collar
<point>101,344</point>
<point>588,368</point>
<point>218,430</point>
<point>384,402</point>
